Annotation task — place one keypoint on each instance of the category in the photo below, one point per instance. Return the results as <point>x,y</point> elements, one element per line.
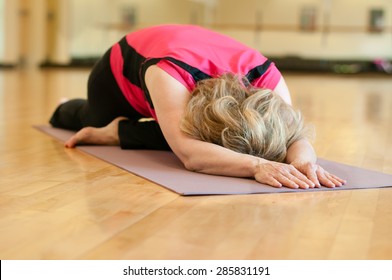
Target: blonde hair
<point>242,118</point>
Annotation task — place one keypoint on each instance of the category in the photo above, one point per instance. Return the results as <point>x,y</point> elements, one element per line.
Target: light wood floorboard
<point>57,203</point>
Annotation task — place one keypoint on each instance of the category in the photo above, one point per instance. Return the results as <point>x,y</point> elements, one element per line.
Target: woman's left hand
<point>318,175</point>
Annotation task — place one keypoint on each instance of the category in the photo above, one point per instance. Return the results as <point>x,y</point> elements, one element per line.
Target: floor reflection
<point>373,107</point>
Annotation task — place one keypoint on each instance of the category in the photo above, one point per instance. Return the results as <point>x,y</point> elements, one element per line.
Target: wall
<point>2,30</point>
<point>87,28</point>
<point>96,25</point>
<point>269,25</point>
<point>58,31</point>
<point>8,52</point>
<point>279,20</point>
<point>24,31</point>
<point>35,32</point>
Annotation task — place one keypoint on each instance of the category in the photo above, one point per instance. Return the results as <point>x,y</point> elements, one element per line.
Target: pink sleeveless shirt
<point>189,54</point>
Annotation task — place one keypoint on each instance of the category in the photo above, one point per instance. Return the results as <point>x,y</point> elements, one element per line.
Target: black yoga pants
<point>104,103</point>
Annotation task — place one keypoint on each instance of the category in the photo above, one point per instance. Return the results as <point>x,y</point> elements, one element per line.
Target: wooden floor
<point>57,203</point>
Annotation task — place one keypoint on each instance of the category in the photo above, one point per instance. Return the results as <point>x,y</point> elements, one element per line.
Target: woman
<point>220,106</point>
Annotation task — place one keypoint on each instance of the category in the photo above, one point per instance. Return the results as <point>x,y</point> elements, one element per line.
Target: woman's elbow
<point>191,164</point>
<point>191,160</point>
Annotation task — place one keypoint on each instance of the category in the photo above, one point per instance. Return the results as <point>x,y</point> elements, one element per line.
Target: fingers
<point>308,169</point>
<point>302,181</point>
<point>273,182</point>
<point>278,175</point>
<point>318,175</point>
<point>329,180</point>
<point>284,180</point>
<point>292,181</point>
<point>341,181</point>
<point>312,176</point>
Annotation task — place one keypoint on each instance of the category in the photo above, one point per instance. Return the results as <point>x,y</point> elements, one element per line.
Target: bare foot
<point>107,135</point>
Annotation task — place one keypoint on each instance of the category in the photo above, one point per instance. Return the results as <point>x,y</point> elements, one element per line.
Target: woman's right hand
<point>278,174</point>
<point>318,175</point>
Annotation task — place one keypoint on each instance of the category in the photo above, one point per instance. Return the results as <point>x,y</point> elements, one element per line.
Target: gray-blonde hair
<point>242,118</point>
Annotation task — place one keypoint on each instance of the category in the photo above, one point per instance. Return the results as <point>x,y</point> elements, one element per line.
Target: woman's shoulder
<point>158,79</point>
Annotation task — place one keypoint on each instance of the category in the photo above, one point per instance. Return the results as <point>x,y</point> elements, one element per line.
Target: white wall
<point>37,40</point>
<point>59,51</point>
<point>89,27</point>
<point>348,36</point>
<point>2,35</point>
<point>96,25</point>
<point>34,22</point>
<point>9,22</point>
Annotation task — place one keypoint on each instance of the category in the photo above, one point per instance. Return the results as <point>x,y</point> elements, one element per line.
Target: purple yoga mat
<point>166,170</point>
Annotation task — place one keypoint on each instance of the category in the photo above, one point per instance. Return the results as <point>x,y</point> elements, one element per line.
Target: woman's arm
<point>170,98</point>
<point>302,156</point>
<point>283,91</point>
